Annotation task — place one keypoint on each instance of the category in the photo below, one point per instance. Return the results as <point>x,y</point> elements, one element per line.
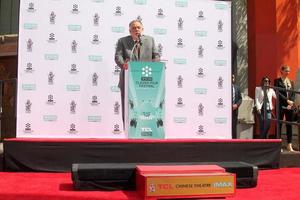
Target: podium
<point>145,100</point>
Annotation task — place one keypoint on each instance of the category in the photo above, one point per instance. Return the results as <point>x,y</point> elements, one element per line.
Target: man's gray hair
<point>135,20</point>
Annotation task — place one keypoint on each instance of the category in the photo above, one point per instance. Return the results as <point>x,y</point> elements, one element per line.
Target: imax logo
<point>222,184</point>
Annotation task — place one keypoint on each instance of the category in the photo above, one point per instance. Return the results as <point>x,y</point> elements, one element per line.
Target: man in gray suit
<point>134,47</point>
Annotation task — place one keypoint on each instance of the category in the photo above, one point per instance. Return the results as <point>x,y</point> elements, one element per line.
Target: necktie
<point>137,50</point>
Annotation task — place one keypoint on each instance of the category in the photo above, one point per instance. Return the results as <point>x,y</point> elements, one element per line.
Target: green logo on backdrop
<point>29,87</point>
<point>220,62</point>
<point>50,118</point>
<point>140,2</point>
<point>98,1</point>
<point>73,27</point>
<point>73,88</point>
<point>118,29</point>
<point>220,6</point>
<point>51,56</point>
<point>180,61</point>
<point>95,58</point>
<point>160,31</point>
<point>181,3</point>
<point>30,26</point>
<point>94,118</point>
<point>200,90</point>
<point>180,120</point>
<point>114,89</point>
<point>200,33</point>
<point>220,120</point>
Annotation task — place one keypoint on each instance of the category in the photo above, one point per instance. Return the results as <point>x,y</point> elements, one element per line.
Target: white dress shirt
<point>259,98</point>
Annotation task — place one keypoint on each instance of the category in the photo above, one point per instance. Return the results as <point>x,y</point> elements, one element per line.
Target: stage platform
<point>58,155</point>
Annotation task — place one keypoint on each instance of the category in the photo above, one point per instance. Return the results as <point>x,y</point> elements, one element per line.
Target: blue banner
<point>146,100</point>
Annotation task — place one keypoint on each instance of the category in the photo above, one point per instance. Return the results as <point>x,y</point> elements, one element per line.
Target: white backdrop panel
<point>67,78</point>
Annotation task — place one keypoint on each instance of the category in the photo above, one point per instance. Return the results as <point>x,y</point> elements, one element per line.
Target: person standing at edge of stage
<point>134,47</point>
<point>286,102</point>
<point>236,102</point>
<point>263,102</point>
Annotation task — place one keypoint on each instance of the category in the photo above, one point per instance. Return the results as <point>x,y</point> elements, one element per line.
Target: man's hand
<point>291,103</point>
<point>125,66</point>
<point>289,107</point>
<point>234,107</point>
<point>258,111</point>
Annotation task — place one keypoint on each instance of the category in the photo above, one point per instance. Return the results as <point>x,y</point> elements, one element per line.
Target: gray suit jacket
<point>148,52</point>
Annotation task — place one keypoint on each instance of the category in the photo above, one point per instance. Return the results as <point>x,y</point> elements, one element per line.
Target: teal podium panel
<point>146,100</point>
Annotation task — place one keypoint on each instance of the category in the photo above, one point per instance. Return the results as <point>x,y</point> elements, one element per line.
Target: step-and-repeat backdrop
<point>67,78</point>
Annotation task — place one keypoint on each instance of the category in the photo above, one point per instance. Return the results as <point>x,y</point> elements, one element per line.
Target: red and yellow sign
<point>197,184</point>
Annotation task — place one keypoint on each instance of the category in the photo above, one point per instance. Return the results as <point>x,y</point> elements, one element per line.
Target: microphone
<point>140,38</point>
<point>136,43</point>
